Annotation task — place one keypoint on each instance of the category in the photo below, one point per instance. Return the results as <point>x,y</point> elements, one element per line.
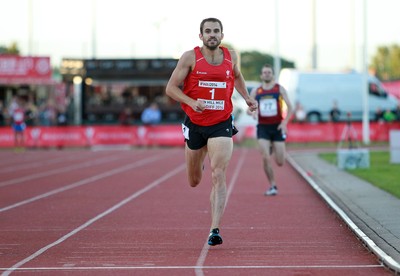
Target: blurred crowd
<point>387,115</point>
<point>336,115</point>
<point>47,113</point>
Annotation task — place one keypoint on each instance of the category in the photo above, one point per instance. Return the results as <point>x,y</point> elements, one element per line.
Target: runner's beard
<point>212,47</point>
<point>268,81</point>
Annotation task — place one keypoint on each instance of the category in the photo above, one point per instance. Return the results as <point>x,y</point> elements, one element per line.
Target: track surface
<point>132,212</point>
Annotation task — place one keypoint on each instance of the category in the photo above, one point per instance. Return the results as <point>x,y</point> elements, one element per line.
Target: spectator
<point>62,116</point>
<point>151,114</point>
<point>2,117</point>
<point>378,115</point>
<point>299,113</point>
<point>13,105</point>
<point>125,118</point>
<point>389,116</point>
<point>335,112</point>
<point>17,114</point>
<point>48,113</point>
<point>397,112</point>
<point>31,113</point>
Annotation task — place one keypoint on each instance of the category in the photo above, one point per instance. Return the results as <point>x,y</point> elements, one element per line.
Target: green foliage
<point>381,173</point>
<point>386,62</point>
<point>252,62</point>
<point>12,49</point>
<point>228,45</point>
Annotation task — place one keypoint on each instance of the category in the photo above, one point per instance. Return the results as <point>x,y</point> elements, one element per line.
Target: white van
<point>317,91</point>
<point>240,107</point>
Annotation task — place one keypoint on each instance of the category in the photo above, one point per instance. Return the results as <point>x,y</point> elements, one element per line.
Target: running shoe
<point>214,238</point>
<point>271,191</point>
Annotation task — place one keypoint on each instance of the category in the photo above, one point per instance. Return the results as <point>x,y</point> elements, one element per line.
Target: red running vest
<point>270,103</point>
<point>212,83</point>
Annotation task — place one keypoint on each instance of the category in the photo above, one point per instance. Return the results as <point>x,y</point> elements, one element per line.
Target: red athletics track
<point>132,212</point>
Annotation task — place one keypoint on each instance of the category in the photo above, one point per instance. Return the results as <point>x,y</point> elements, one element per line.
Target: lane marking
<point>22,164</point>
<point>194,267</point>
<point>152,185</point>
<point>204,251</point>
<point>82,182</point>
<point>56,171</point>
<point>99,160</point>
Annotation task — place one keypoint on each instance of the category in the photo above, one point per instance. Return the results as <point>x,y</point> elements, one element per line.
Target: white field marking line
<point>82,182</point>
<point>59,170</point>
<point>11,158</point>
<point>35,164</point>
<point>386,259</point>
<point>152,185</point>
<point>204,251</point>
<point>110,147</point>
<point>193,267</point>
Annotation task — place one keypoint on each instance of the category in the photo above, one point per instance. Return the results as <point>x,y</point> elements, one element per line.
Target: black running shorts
<point>196,136</point>
<point>270,132</point>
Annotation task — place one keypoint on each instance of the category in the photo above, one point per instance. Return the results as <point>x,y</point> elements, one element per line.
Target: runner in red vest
<point>272,124</point>
<point>209,74</point>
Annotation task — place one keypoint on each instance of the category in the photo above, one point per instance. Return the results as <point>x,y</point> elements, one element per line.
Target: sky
<point>165,29</point>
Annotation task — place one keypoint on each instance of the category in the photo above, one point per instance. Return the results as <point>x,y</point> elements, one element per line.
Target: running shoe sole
<point>271,192</point>
<point>214,239</point>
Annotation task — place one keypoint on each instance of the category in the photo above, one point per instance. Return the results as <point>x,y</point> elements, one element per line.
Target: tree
<point>386,62</point>
<point>252,62</point>
<point>12,49</point>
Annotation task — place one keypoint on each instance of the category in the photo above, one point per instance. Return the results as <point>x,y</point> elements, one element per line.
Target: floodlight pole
<point>30,28</point>
<point>94,19</point>
<point>365,121</point>
<point>314,54</point>
<point>277,60</point>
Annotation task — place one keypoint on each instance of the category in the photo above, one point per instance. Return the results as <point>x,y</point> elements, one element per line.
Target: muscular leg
<point>264,146</point>
<point>280,153</point>
<point>194,164</point>
<point>220,152</point>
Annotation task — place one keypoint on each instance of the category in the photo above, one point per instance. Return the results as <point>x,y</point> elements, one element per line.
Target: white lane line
<point>204,251</point>
<point>98,217</point>
<point>57,171</point>
<point>282,267</point>
<point>385,258</point>
<point>82,182</point>
<point>31,164</point>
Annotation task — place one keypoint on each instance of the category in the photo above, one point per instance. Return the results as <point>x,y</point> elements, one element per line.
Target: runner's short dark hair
<point>210,19</point>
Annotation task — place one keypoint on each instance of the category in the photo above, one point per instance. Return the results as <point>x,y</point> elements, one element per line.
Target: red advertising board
<point>25,70</point>
<point>171,135</point>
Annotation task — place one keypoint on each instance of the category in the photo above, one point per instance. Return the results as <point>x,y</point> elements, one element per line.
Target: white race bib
<point>268,107</point>
<point>212,84</point>
<point>214,104</point>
